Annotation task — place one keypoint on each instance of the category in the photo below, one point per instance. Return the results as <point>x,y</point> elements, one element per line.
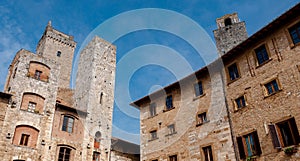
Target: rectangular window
<point>249,145</point>
<point>96,156</point>
<point>68,124</point>
<point>169,102</point>
<point>171,129</point>
<point>173,158</point>
<point>233,72</point>
<point>271,87</point>
<point>261,54</point>
<point>201,118</point>
<point>284,134</point>
<point>295,33</point>
<point>64,154</point>
<point>153,135</point>
<point>24,139</point>
<point>240,102</point>
<point>152,109</point>
<point>208,155</point>
<point>37,74</point>
<point>198,89</point>
<point>31,106</point>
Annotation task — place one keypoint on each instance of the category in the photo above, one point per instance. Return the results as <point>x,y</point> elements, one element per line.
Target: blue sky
<point>23,22</point>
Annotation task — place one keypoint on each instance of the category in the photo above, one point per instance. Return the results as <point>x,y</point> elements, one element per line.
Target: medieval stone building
<point>41,118</point>
<point>243,106</point>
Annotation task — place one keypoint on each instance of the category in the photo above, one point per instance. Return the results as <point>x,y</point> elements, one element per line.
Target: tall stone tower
<point>59,47</point>
<point>231,31</point>
<point>94,93</point>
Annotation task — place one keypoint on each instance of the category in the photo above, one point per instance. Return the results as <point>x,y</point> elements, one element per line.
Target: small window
<point>31,106</point>
<point>96,156</point>
<point>228,21</point>
<point>153,135</point>
<point>284,133</point>
<point>272,87</point>
<point>233,72</point>
<point>198,89</point>
<point>240,102</point>
<point>173,158</point>
<point>248,145</point>
<point>261,54</point>
<point>169,102</point>
<point>171,129</point>
<point>24,139</point>
<point>58,54</point>
<point>64,154</point>
<point>37,74</point>
<point>201,118</point>
<point>152,109</point>
<point>68,124</point>
<point>208,155</point>
<point>97,140</point>
<point>295,33</point>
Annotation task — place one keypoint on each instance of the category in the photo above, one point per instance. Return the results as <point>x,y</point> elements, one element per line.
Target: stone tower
<point>59,47</point>
<point>231,31</point>
<point>94,93</point>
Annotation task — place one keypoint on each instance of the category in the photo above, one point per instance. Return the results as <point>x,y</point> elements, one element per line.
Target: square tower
<point>231,31</point>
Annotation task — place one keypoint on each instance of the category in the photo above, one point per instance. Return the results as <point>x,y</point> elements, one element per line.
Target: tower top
<point>227,20</point>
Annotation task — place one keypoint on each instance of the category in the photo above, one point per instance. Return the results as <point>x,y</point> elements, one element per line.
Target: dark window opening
<point>171,129</point>
<point>58,54</point>
<point>96,156</point>
<point>295,33</point>
<point>233,72</point>
<point>284,134</point>
<point>153,134</point>
<point>24,139</point>
<point>208,155</point>
<point>101,97</point>
<point>240,102</point>
<point>201,118</point>
<point>228,21</point>
<point>64,154</point>
<point>261,54</point>
<point>37,74</point>
<point>198,89</point>
<point>169,102</point>
<point>68,124</point>
<point>272,87</point>
<point>173,158</point>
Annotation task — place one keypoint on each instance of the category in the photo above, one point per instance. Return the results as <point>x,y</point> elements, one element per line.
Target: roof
<point>286,17</point>
<point>124,146</point>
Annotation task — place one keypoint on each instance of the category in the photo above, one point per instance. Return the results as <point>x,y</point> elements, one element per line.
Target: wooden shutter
<point>241,147</point>
<point>256,142</point>
<point>274,136</point>
<point>294,130</point>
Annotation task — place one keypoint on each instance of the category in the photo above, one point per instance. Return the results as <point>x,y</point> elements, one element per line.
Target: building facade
<point>43,119</point>
<point>243,106</point>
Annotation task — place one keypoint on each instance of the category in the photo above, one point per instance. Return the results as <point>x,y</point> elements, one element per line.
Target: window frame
<point>197,88</point>
<point>24,140</point>
<point>153,135</point>
<point>229,71</point>
<point>267,52</point>
<point>167,106</point>
<point>243,146</point>
<point>201,120</point>
<point>64,153</point>
<point>274,91</point>
<point>66,129</point>
<point>277,137</point>
<point>37,74</point>
<point>207,155</point>
<point>152,109</point>
<point>171,129</point>
<point>236,105</point>
<point>171,157</point>
<point>289,36</point>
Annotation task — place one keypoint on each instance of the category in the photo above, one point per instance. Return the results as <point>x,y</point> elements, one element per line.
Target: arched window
<point>97,139</point>
<point>39,71</point>
<point>65,152</point>
<point>228,21</point>
<point>32,102</point>
<point>25,136</point>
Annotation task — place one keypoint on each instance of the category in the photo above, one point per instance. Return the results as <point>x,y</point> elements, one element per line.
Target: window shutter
<point>241,147</point>
<point>256,142</point>
<point>294,130</point>
<point>274,136</point>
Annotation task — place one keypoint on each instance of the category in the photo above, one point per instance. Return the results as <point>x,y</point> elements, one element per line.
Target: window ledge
<point>292,46</point>
<point>153,139</point>
<point>199,124</point>
<point>171,134</point>
<point>262,64</point>
<point>231,81</point>
<point>200,96</point>
<point>236,109</point>
<point>267,96</point>
<point>166,110</point>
